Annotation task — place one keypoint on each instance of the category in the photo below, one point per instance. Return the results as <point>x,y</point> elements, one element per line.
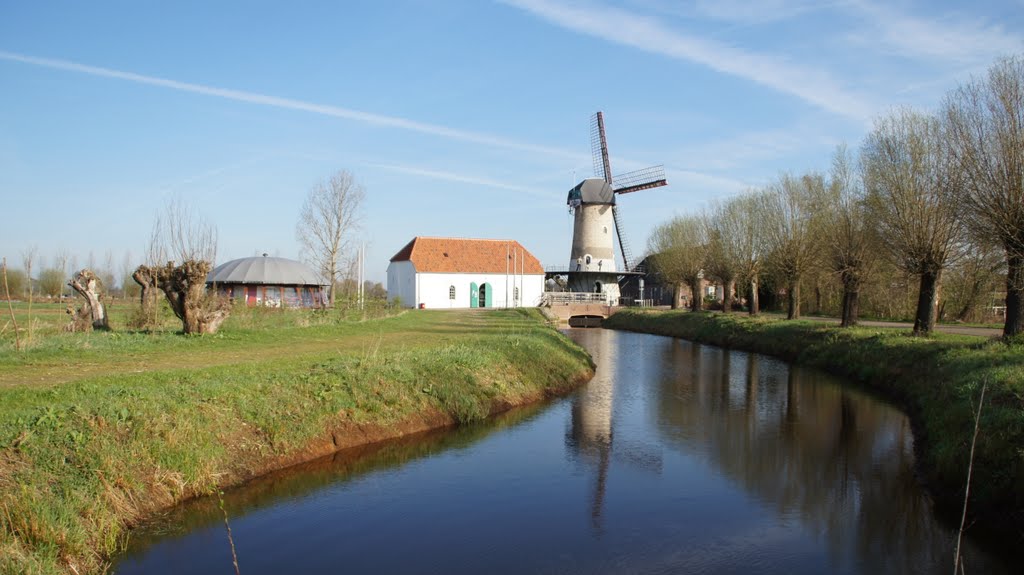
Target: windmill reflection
<point>589,437</point>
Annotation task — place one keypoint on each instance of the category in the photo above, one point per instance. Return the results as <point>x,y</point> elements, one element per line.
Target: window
<point>588,260</point>
<point>451,292</point>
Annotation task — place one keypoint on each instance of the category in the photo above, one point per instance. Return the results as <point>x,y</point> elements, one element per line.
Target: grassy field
<point>937,380</point>
<point>99,430</point>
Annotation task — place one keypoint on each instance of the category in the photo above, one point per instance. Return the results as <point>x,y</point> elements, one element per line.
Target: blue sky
<point>460,118</point>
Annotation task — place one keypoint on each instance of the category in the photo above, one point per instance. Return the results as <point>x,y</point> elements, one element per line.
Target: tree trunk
<point>851,301</point>
<point>793,299</point>
<point>727,287</point>
<point>677,290</point>
<point>924,318</point>
<point>851,308</point>
<point>753,301</point>
<point>145,276</point>
<point>92,314</point>
<point>1014,295</point>
<point>695,290</point>
<point>817,297</point>
<point>185,288</point>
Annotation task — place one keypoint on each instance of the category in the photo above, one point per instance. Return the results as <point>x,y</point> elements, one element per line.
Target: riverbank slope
<point>120,425</point>
<point>937,380</point>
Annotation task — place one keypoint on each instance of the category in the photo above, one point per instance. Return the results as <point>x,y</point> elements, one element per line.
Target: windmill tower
<point>592,202</point>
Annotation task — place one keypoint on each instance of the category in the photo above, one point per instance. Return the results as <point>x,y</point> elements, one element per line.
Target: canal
<point>675,458</point>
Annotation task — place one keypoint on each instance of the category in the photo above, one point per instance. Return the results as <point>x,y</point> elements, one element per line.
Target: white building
<point>461,273</point>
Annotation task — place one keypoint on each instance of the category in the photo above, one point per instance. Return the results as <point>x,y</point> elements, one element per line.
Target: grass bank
<point>937,380</point>
<point>110,427</point>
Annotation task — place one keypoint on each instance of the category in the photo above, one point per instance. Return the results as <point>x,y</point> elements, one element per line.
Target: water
<point>675,458</point>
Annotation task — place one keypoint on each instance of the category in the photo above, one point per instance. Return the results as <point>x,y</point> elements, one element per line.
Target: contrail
<point>290,104</point>
<point>453,177</point>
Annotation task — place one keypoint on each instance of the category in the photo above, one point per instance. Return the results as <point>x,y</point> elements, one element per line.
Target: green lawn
<point>98,430</point>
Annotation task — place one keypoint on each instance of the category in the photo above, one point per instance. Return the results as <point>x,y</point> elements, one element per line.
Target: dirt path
<point>944,328</point>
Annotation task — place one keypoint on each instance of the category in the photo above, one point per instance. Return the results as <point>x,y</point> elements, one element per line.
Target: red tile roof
<point>461,255</point>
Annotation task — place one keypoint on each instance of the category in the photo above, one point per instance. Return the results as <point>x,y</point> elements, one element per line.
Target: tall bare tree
<point>911,189</point>
<point>791,225</point>
<point>986,133</point>
<point>189,244</point>
<point>737,246</point>
<point>849,236</point>
<point>722,260</point>
<point>678,249</point>
<point>330,216</point>
<point>51,282</point>
<point>29,257</point>
<point>60,262</point>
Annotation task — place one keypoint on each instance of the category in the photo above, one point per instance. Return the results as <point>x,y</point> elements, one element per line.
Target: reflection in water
<point>837,461</point>
<point>676,457</point>
<point>590,434</point>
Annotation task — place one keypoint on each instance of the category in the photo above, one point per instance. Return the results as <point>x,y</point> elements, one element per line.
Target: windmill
<point>594,207</point>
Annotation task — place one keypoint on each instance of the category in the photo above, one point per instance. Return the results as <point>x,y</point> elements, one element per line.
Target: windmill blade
<point>627,254</point>
<point>599,148</point>
<point>647,178</point>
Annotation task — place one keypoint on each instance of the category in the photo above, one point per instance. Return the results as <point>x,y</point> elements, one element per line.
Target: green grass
<point>123,424</point>
<point>936,379</point>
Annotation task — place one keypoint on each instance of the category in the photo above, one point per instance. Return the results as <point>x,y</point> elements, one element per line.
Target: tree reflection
<point>838,461</point>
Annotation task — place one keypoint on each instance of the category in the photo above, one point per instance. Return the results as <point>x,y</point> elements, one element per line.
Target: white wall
<point>432,290</point>
<point>402,282</point>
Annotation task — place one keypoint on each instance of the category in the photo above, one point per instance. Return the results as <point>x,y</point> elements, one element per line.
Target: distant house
<point>273,282</point>
<point>464,273</point>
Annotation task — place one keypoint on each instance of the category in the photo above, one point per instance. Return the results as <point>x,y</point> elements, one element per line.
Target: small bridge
<point>579,309</point>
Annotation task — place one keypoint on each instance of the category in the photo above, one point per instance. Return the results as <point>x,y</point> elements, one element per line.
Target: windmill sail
<point>599,148</point>
<point>627,254</point>
<point>637,180</point>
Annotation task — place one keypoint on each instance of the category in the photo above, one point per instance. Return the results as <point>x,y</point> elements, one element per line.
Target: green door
<point>473,295</point>
<point>486,295</point>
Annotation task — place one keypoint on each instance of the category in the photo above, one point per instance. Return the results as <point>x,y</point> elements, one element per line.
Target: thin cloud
<point>461,178</point>
<point>622,27</point>
<point>960,39</point>
<point>291,104</point>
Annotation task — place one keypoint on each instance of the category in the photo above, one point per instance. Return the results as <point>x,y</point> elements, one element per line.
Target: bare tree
<point>330,216</point>
<point>910,185</point>
<point>722,225</point>
<point>791,224</point>
<point>51,282</point>
<point>28,257</point>
<point>92,314</point>
<point>60,262</point>
<point>185,288</point>
<point>106,273</point>
<point>986,134</point>
<point>736,247</point>
<point>849,236</point>
<point>678,249</point>
<point>180,235</point>
<point>129,287</point>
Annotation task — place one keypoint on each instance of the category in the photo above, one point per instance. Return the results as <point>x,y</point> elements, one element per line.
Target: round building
<point>268,281</point>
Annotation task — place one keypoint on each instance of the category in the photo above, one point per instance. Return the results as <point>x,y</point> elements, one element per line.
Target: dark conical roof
<point>264,270</point>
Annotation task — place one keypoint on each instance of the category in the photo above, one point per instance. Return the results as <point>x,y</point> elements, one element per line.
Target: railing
<point>566,298</point>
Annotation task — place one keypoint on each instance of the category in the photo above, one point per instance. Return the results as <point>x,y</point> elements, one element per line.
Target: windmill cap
<point>591,191</point>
